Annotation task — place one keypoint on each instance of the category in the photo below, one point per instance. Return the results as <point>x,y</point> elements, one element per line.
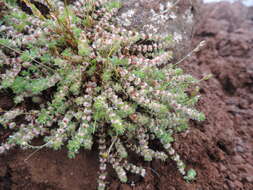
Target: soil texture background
<point>220,149</point>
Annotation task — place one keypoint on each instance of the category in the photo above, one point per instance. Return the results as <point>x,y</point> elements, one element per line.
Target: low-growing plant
<point>89,78</point>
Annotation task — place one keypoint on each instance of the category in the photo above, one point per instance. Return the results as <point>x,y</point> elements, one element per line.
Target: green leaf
<point>140,74</point>
<point>37,85</point>
<point>67,52</point>
<point>83,48</point>
<point>29,55</point>
<point>19,85</point>
<point>169,38</point>
<point>43,117</point>
<point>5,42</point>
<point>88,21</point>
<point>46,58</point>
<point>33,69</point>
<point>6,83</point>
<point>92,70</point>
<point>113,5</point>
<point>25,73</point>
<point>119,62</point>
<point>10,2</point>
<point>201,117</point>
<point>167,138</point>
<point>106,76</point>
<point>182,127</point>
<point>77,32</point>
<point>191,175</point>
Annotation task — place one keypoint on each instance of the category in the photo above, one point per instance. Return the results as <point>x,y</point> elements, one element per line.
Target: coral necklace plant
<point>90,79</point>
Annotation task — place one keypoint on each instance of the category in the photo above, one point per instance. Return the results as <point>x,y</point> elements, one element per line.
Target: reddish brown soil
<point>220,149</point>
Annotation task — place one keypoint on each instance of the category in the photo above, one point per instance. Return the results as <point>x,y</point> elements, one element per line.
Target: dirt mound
<point>220,149</point>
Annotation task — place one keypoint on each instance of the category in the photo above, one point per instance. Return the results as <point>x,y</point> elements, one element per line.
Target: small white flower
<point>161,7</point>
<point>130,12</point>
<point>169,5</point>
<point>172,15</point>
<point>167,146</point>
<point>177,37</point>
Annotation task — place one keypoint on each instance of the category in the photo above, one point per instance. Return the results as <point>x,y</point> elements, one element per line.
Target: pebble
<point>239,148</point>
<point>222,168</point>
<point>249,179</point>
<point>231,185</point>
<point>232,177</point>
<point>225,186</point>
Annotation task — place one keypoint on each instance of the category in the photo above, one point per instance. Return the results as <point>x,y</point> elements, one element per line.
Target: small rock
<point>222,168</point>
<point>232,177</point>
<point>239,148</point>
<point>225,186</point>
<point>249,179</point>
<point>231,185</point>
